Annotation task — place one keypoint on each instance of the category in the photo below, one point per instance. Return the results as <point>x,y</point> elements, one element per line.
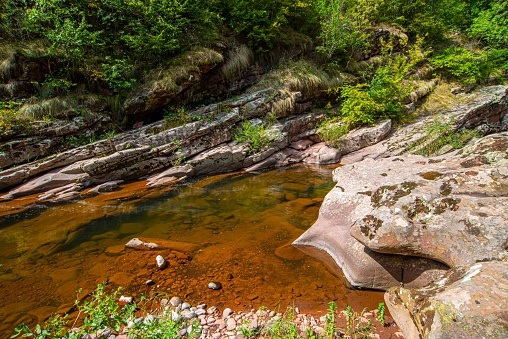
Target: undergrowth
<point>439,134</point>
<point>101,315</point>
<point>256,136</point>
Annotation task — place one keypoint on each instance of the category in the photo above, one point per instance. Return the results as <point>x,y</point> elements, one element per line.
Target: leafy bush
<point>256,136</point>
<point>463,65</point>
<point>491,25</point>
<point>344,24</point>
<point>9,115</point>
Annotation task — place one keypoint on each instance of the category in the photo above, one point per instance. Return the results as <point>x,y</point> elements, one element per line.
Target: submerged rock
<point>214,285</point>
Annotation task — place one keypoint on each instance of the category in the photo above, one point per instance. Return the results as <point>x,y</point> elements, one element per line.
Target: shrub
<point>463,65</point>
<point>256,136</point>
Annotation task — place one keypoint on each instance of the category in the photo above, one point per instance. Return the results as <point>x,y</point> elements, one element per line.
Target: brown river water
<point>236,229</point>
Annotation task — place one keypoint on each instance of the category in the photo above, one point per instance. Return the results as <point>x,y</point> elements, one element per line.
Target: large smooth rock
<point>361,266</point>
<point>467,302</point>
<point>452,211</point>
<point>385,212</point>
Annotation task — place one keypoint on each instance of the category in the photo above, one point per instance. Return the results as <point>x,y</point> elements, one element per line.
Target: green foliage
<point>331,130</point>
<point>330,327</point>
<point>9,115</point>
<point>260,21</point>
<point>491,25</point>
<point>381,313</point>
<point>431,18</point>
<point>354,326</point>
<point>344,24</point>
<point>102,311</point>
<point>256,136</point>
<point>285,327</point>
<point>463,65</point>
<point>438,134</point>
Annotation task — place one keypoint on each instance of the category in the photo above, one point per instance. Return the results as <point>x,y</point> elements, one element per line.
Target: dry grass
<point>241,59</point>
<point>301,76</point>
<point>8,67</point>
<point>440,99</point>
<point>182,68</point>
<point>358,68</point>
<point>422,90</point>
<point>40,109</point>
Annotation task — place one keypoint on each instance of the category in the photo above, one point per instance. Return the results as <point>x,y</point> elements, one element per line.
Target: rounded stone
<point>214,285</point>
<point>175,301</point>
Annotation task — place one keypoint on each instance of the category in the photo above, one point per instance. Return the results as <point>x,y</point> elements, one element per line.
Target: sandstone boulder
<point>467,302</point>
<point>452,211</point>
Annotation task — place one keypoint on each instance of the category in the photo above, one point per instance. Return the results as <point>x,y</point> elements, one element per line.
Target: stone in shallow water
<point>214,285</point>
<point>161,263</point>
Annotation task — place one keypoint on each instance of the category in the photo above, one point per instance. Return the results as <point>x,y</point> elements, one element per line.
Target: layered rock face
<point>402,220</point>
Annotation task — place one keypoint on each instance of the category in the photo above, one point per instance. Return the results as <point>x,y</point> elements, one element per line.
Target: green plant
<point>354,326</point>
<point>284,327</point>
<point>381,313</point>
<point>178,150</point>
<point>381,98</point>
<point>175,116</point>
<point>463,65</point>
<point>344,25</point>
<point>102,311</point>
<point>330,327</point>
<point>256,136</point>
<point>9,115</point>
<point>331,130</point>
<point>438,134</point>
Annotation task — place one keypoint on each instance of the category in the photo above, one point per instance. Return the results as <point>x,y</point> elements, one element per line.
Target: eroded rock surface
<point>467,302</point>
<point>448,209</point>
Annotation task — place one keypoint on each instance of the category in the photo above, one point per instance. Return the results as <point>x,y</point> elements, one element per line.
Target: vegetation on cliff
<point>97,56</point>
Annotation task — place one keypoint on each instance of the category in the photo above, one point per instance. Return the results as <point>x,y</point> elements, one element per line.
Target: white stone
<point>175,301</point>
<point>227,312</point>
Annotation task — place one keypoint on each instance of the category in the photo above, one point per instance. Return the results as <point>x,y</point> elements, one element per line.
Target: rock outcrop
<point>204,146</point>
<point>467,302</point>
<point>397,219</point>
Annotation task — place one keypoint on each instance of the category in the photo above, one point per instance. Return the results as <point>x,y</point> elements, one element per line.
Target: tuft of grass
<point>256,136</point>
<point>182,68</point>
<point>8,67</point>
<point>358,68</point>
<point>284,327</point>
<point>440,99</point>
<point>422,90</point>
<point>239,61</point>
<point>302,76</point>
<point>439,134</point>
<point>47,108</point>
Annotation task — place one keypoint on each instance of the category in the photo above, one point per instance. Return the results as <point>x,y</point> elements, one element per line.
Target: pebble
<point>200,311</point>
<point>149,283</point>
<point>211,310</point>
<point>216,335</point>
<point>175,301</point>
<point>319,330</point>
<point>226,313</point>
<point>175,316</point>
<point>188,314</point>
<point>202,306</point>
<point>164,302</point>
<point>149,319</point>
<point>214,285</point>
<point>185,306</point>
<point>126,300</point>
<point>161,263</point>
